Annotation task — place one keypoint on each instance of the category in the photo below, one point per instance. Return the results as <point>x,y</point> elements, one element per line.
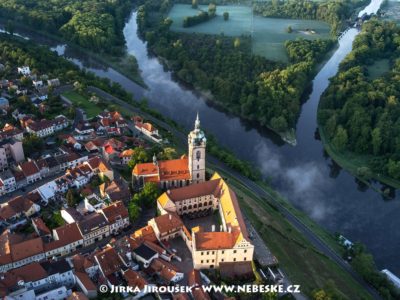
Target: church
<point>176,173</point>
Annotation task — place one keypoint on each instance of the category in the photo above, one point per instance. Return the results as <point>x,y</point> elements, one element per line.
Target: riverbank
<point>124,64</point>
<point>354,163</point>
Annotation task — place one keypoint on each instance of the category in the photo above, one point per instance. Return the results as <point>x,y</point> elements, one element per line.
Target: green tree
<point>236,43</point>
<point>376,140</point>
<point>289,29</point>
<point>168,153</point>
<point>340,140</point>
<point>212,9</point>
<point>140,155</point>
<point>226,16</point>
<point>148,195</point>
<point>134,211</point>
<point>71,198</point>
<point>194,4</point>
<point>279,123</point>
<point>32,143</point>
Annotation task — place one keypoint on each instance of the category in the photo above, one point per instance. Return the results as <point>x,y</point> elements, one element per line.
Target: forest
<point>94,24</point>
<point>360,114</point>
<point>333,12</point>
<point>259,90</point>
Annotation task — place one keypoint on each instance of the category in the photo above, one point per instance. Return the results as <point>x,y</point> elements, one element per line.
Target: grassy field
<point>301,261</point>
<point>391,10</point>
<point>90,108</point>
<point>379,68</point>
<point>269,34</point>
<point>352,162</point>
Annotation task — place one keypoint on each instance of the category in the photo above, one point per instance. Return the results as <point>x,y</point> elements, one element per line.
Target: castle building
<point>222,246</point>
<point>176,172</point>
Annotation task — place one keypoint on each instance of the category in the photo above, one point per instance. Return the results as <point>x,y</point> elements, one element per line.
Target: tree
<point>289,29</point>
<point>168,153</point>
<point>376,140</point>
<point>9,27</point>
<point>194,4</point>
<point>212,9</point>
<point>71,199</point>
<point>140,155</point>
<point>226,16</point>
<point>236,43</point>
<point>279,124</point>
<point>134,211</point>
<point>32,143</point>
<point>341,138</point>
<point>148,195</point>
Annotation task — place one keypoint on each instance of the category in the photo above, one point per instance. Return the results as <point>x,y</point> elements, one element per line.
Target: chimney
<point>170,217</point>
<point>213,228</point>
<point>220,227</point>
<point>229,229</point>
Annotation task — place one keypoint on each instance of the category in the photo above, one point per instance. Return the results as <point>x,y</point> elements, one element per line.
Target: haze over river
<point>307,177</point>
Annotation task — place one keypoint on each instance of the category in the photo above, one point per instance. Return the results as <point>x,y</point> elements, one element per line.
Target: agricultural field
<point>269,34</point>
<point>391,11</point>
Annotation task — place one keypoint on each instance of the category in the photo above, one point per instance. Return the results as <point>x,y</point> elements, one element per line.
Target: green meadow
<point>268,34</point>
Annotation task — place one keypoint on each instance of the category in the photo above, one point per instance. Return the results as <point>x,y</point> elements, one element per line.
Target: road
<point>319,244</point>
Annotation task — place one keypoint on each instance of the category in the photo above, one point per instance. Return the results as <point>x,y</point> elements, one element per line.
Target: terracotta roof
<point>109,261</point>
<point>86,281</point>
<point>194,281</point>
<point>27,249</point>
<point>81,263</point>
<point>31,272</point>
<point>175,169</point>
<point>210,187</point>
<point>67,234</point>
<point>147,233</point>
<point>117,190</point>
<point>134,279</point>
<point>29,168</point>
<point>115,211</point>
<point>17,205</point>
<point>41,226</point>
<point>40,125</point>
<point>215,240</point>
<point>165,270</point>
<point>127,153</point>
<point>168,222</point>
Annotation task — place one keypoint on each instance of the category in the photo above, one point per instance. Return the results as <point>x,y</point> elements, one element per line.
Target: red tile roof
<point>115,211</point>
<point>109,261</point>
<point>215,240</point>
<point>195,190</point>
<point>27,249</point>
<point>29,168</point>
<point>86,281</point>
<point>168,222</point>
<point>134,279</point>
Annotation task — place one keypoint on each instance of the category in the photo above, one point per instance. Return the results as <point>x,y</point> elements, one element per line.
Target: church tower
<point>197,153</point>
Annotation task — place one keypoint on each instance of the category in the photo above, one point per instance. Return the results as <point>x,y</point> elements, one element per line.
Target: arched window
<point>198,154</point>
<point>198,175</point>
<point>198,167</point>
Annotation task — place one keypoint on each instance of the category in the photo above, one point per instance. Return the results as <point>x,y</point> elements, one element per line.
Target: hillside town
<point>70,216</point>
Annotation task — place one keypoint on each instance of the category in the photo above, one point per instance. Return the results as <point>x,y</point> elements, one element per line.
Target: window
<point>198,175</point>
<point>198,167</point>
<point>234,251</point>
<point>223,251</point>
<point>198,155</point>
<point>202,261</point>
<point>213,252</point>
<point>202,252</point>
<point>222,260</point>
<point>207,260</point>
<point>245,258</point>
<point>234,259</point>
<point>245,251</point>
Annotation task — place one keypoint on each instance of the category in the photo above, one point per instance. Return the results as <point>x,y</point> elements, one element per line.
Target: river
<point>304,174</point>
